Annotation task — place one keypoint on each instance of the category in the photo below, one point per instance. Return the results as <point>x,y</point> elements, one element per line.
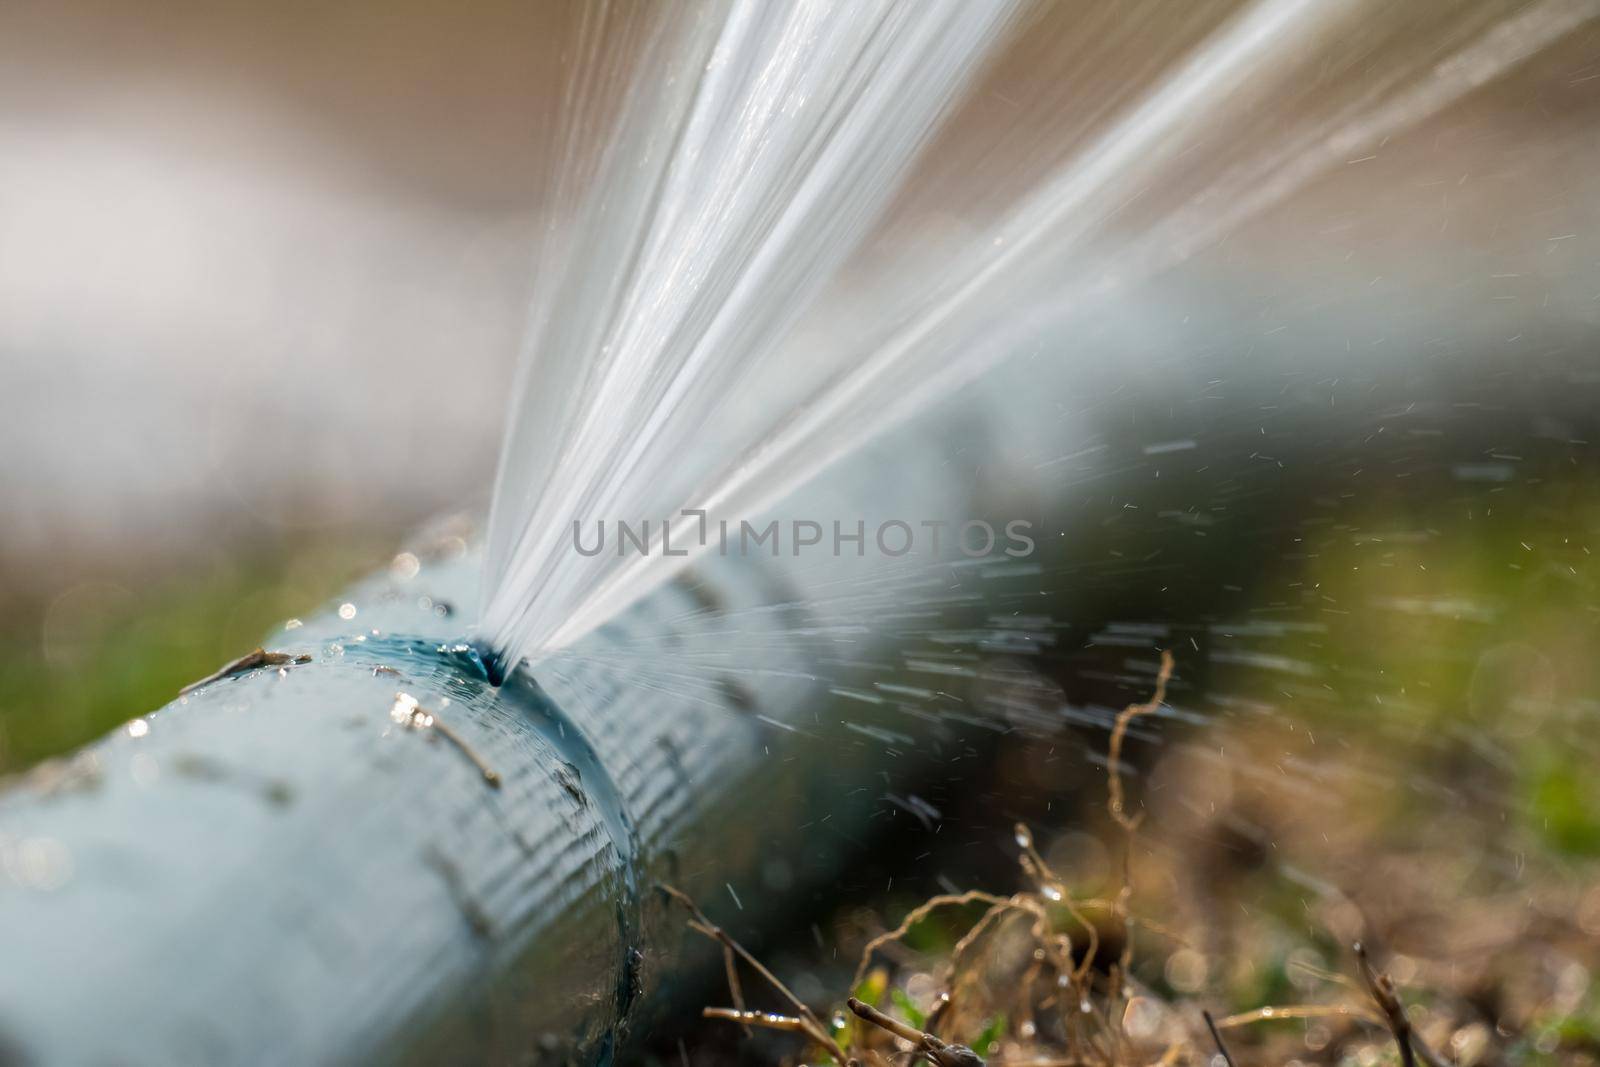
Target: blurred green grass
<point>80,660</point>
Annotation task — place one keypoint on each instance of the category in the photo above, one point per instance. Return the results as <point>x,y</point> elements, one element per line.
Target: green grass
<point>79,662</point>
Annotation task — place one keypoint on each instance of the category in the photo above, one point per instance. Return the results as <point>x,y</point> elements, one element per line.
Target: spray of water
<point>727,303</point>
<point>753,154</point>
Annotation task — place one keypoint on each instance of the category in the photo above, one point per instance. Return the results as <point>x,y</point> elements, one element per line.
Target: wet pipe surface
<point>377,852</point>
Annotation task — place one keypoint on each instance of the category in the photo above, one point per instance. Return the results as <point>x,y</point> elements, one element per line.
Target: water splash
<point>751,154</point>
<point>763,193</point>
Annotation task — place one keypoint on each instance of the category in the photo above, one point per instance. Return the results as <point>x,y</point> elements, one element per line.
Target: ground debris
<point>407,712</point>
<point>248,662</point>
<point>1249,964</point>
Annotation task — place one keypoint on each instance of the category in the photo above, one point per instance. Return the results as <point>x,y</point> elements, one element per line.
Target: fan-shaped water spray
<point>742,289</point>
<point>753,150</point>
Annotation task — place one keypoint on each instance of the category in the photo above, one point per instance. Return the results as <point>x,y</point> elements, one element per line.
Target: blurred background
<point>262,282</point>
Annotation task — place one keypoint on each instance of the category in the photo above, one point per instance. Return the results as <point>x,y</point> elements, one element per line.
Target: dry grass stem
<point>812,1025</point>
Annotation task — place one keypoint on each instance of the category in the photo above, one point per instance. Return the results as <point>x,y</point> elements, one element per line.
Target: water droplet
<point>347,610</point>
<point>403,709</point>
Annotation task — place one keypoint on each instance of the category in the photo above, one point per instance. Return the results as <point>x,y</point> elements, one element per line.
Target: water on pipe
<point>360,848</point>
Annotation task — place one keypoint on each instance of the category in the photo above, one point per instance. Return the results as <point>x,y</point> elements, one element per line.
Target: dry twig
<point>247,662</point>
<point>1216,1035</point>
<point>1119,731</point>
<point>766,1020</point>
<point>916,915</point>
<point>1382,989</point>
<point>942,1054</point>
<point>809,1023</point>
